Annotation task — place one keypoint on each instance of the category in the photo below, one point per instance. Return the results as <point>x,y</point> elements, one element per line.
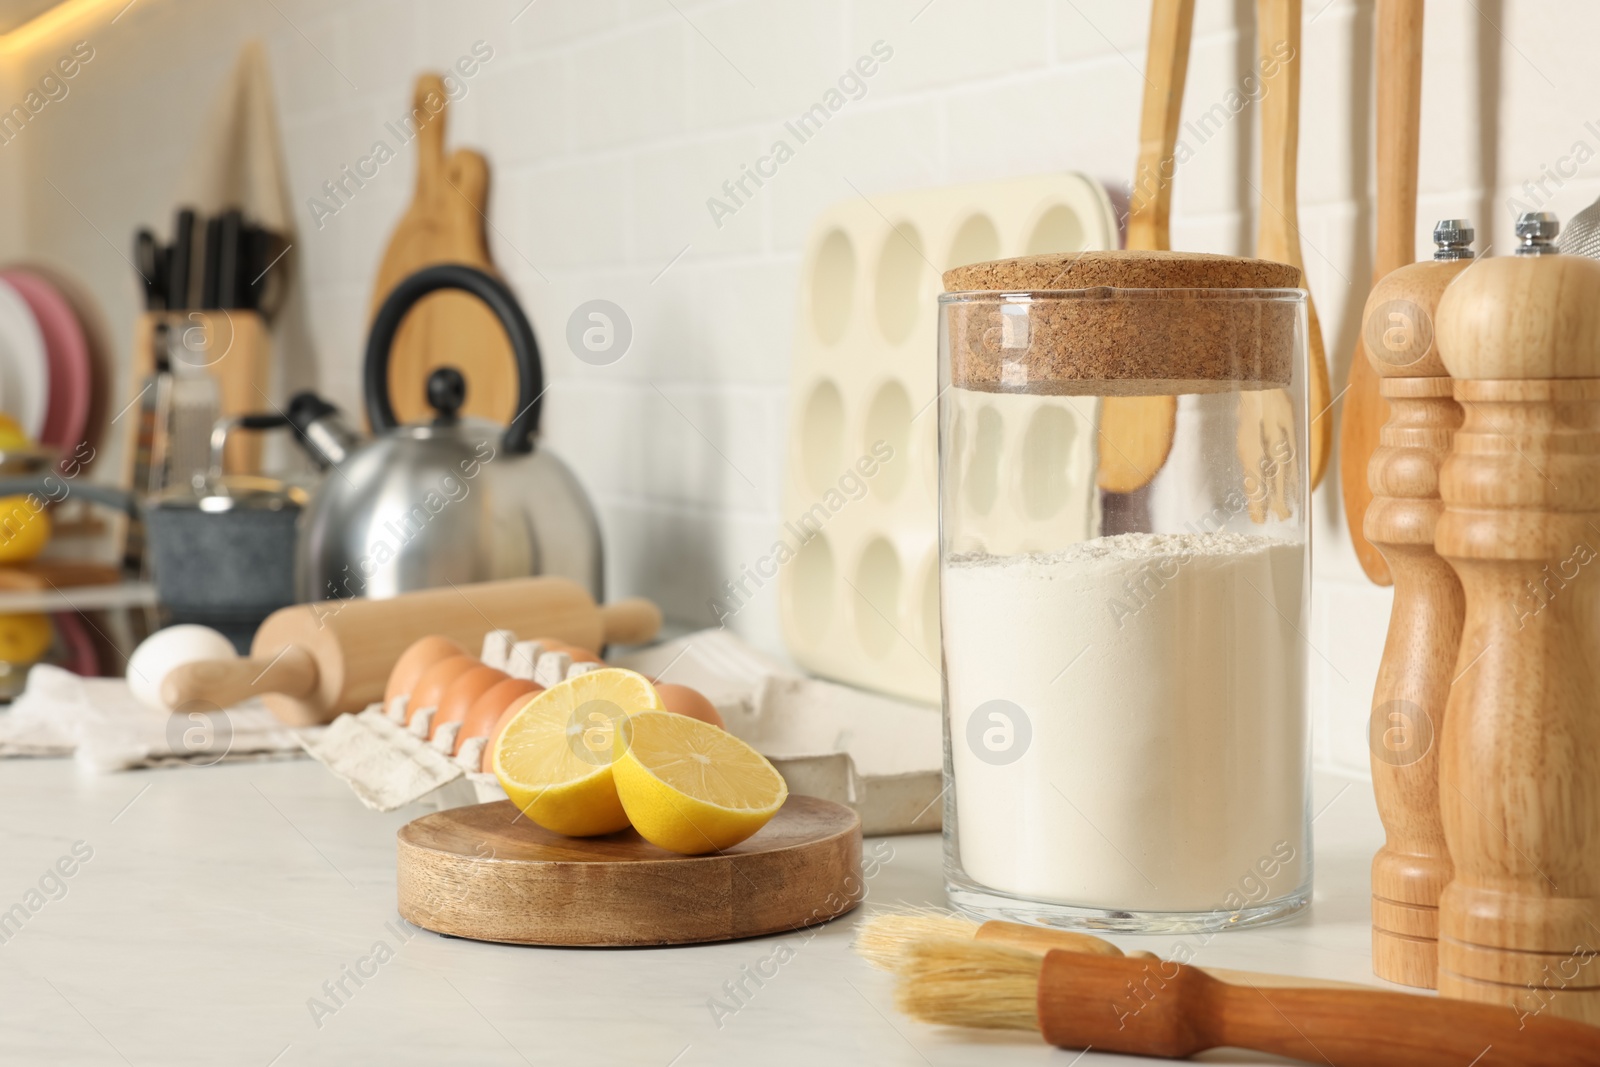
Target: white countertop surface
<point>217,901</point>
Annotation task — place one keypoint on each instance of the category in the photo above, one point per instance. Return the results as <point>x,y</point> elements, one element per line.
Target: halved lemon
<point>690,787</point>
<point>554,757</point>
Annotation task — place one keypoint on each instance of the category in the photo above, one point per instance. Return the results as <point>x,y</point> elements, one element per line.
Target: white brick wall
<point>609,123</point>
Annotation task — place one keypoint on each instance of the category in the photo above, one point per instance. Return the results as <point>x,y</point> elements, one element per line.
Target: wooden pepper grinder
<point>1419,656</point>
<point>1519,923</point>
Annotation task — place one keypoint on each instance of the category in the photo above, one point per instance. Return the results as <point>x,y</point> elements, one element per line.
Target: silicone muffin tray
<point>858,572</point>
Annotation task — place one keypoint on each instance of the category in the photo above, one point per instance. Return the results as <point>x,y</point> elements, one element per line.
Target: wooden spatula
<point>1136,431</point>
<point>445,224</point>
<point>1399,124</point>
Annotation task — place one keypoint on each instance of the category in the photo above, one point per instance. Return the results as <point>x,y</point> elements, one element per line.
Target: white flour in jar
<point>1162,764</point>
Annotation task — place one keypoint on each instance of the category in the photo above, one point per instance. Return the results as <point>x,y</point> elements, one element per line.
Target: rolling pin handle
<point>629,622</point>
<point>224,683</point>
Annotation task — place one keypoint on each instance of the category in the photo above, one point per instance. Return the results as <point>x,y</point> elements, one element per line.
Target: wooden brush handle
<point>1174,1011</point>
<point>1399,123</point>
<point>226,682</point>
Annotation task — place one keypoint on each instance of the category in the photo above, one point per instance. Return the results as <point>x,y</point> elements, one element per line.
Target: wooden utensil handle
<point>1123,1005</point>
<point>1278,54</point>
<point>630,622</point>
<point>1166,67</point>
<point>224,683</point>
<point>1398,129</point>
<point>1382,1029</point>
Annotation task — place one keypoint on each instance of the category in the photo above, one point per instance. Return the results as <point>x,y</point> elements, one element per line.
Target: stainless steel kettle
<point>451,500</point>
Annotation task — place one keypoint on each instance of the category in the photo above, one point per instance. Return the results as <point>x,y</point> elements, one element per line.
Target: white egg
<point>169,648</point>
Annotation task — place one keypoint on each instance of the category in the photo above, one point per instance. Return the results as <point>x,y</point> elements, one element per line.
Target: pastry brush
<point>1135,1007</point>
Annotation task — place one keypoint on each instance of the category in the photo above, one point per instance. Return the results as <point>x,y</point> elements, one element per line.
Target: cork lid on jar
<point>1122,323</point>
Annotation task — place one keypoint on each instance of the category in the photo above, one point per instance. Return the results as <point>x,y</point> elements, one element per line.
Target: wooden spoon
<point>1136,431</point>
<point>1278,25</point>
<point>1399,125</point>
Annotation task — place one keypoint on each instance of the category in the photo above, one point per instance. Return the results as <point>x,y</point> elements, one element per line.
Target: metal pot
<point>448,501</point>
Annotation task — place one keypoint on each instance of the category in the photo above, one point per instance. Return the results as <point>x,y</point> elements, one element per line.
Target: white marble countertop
<point>216,902</point>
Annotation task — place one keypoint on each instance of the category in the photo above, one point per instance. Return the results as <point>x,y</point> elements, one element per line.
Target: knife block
<point>1519,922</point>
<point>1409,701</point>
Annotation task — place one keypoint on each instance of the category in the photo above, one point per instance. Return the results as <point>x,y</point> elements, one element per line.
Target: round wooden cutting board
<point>486,872</point>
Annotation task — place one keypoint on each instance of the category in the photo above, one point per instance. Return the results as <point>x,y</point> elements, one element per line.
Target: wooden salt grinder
<point>1408,704</point>
<point>1519,922</point>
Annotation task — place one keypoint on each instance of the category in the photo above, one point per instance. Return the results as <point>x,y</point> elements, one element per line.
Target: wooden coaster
<point>485,872</point>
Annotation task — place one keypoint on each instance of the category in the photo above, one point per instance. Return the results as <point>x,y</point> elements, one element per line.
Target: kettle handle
<point>493,292</point>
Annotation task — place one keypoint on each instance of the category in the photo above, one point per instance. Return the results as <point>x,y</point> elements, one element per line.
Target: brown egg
<point>487,709</point>
<point>459,695</point>
<point>682,700</point>
<point>431,686</point>
<point>423,653</point>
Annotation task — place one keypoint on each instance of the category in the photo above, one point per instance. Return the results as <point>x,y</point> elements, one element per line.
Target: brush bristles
<point>882,940</point>
<point>967,983</point>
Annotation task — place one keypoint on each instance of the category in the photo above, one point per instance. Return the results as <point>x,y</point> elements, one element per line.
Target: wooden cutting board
<point>446,223</point>
<point>485,872</point>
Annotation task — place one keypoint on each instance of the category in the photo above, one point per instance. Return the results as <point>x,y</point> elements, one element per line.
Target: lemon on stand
<point>554,757</point>
<point>24,529</point>
<point>691,787</point>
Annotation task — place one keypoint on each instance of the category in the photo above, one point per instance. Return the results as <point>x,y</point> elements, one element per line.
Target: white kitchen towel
<point>99,721</point>
<point>385,765</point>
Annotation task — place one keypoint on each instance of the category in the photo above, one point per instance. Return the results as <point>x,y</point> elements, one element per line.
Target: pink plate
<point>67,410</point>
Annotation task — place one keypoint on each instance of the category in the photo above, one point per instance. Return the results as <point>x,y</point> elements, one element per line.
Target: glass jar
<point>1124,590</point>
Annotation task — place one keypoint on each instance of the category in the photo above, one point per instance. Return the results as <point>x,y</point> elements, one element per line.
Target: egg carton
<point>389,762</point>
<point>881,757</point>
<point>858,576</point>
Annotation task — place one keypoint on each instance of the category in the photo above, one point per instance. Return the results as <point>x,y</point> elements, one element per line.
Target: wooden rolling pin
<point>313,662</point>
<point>1419,656</point>
<point>1519,774</point>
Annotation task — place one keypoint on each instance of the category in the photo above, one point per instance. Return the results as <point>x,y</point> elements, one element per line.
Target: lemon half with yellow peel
<point>554,758</point>
<point>690,787</point>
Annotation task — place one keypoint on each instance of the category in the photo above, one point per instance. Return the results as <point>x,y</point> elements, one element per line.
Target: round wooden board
<point>486,872</point>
